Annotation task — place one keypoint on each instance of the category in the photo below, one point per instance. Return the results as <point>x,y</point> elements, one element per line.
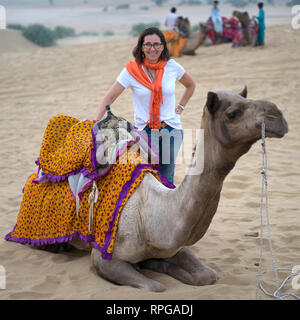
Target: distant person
<point>216,17</point>
<point>261,25</point>
<point>183,34</point>
<point>151,76</point>
<point>170,20</point>
<point>170,34</point>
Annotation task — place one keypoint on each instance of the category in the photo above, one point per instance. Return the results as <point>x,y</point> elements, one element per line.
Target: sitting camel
<point>238,29</point>
<point>194,40</point>
<point>158,225</point>
<point>249,28</point>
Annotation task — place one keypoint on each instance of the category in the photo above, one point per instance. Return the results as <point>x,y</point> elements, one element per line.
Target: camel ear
<point>212,103</point>
<point>244,93</point>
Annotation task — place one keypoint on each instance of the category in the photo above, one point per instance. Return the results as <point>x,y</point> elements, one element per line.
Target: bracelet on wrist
<point>180,106</point>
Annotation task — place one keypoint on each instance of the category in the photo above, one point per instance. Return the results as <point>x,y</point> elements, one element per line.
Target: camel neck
<point>200,192</point>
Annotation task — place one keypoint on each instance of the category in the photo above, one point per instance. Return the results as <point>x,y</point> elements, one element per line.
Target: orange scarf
<point>136,70</point>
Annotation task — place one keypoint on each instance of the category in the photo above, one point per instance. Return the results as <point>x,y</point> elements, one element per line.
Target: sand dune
<point>37,84</point>
<point>13,41</point>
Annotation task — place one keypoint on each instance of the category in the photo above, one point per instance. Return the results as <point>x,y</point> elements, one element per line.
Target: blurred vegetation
<point>108,33</point>
<point>238,3</point>
<point>122,6</point>
<point>45,37</point>
<point>15,27</point>
<point>63,32</point>
<point>159,2</point>
<point>139,27</point>
<point>190,3</point>
<point>87,33</point>
<point>40,35</point>
<point>144,8</point>
<point>292,3</point>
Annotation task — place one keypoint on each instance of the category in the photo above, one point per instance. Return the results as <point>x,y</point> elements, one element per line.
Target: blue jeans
<point>167,141</point>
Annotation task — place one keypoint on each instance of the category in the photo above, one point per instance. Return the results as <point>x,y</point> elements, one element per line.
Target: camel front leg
<point>185,267</point>
<point>200,273</point>
<point>123,273</point>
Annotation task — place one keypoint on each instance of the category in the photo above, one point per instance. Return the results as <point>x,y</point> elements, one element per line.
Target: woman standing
<point>152,77</point>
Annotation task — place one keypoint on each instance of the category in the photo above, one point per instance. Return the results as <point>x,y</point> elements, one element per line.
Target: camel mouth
<point>277,132</point>
<point>275,125</point>
<point>274,134</point>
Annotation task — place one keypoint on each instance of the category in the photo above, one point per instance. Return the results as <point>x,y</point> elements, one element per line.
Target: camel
<point>246,22</point>
<point>158,225</point>
<point>195,39</point>
<point>232,34</point>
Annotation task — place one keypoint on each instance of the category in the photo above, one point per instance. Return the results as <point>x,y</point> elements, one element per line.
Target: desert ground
<point>38,83</point>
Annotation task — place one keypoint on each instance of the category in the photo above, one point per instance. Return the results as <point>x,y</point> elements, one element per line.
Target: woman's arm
<point>190,85</point>
<point>112,94</point>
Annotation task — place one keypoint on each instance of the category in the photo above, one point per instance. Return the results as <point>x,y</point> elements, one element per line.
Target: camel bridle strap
<point>264,196</point>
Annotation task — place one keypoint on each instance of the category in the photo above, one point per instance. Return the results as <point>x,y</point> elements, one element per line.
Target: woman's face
<point>152,48</point>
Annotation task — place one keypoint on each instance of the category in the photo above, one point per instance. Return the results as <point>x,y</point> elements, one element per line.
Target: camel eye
<point>233,115</point>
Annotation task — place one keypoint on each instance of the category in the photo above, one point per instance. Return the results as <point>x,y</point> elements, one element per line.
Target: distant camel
<point>194,40</point>
<point>249,28</point>
<point>239,29</point>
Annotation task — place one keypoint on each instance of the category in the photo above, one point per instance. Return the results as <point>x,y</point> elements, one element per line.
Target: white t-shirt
<point>170,21</point>
<point>141,96</point>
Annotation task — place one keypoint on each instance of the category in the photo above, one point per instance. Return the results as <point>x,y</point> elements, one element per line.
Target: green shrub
<point>122,6</point>
<point>139,27</point>
<point>15,27</point>
<point>108,33</point>
<point>292,3</point>
<point>238,3</point>
<point>159,2</point>
<point>88,33</point>
<point>144,8</point>
<point>190,3</point>
<point>63,32</point>
<point>40,35</point>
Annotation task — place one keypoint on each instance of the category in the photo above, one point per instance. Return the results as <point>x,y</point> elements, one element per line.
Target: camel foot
<point>123,273</point>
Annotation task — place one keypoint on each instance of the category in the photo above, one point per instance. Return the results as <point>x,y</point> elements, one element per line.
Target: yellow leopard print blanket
<point>48,211</point>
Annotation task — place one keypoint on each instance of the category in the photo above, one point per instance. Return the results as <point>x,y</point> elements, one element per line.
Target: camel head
<point>235,121</point>
<point>205,28</point>
<point>243,17</point>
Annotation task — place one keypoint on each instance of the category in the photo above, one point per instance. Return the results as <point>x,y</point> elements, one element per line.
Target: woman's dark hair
<point>138,52</point>
<point>260,5</point>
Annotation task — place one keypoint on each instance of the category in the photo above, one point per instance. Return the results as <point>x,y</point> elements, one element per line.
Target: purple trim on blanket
<point>135,173</point>
<point>45,241</point>
<point>91,238</point>
<point>53,178</point>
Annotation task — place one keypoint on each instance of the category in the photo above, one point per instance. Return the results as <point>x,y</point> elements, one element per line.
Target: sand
<point>37,84</point>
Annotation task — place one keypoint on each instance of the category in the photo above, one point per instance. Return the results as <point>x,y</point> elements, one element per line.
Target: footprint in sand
<point>28,295</point>
<point>49,284</point>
